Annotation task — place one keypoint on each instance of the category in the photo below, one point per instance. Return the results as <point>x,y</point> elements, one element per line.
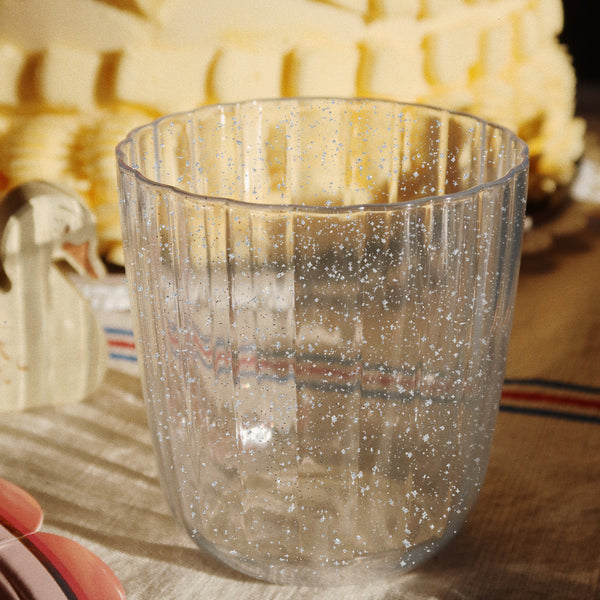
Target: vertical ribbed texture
<point>322,384</point>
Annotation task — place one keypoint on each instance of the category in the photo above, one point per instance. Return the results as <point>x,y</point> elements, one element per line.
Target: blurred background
<point>582,37</point>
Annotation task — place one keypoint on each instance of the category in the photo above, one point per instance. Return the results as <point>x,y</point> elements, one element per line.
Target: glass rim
<point>453,197</point>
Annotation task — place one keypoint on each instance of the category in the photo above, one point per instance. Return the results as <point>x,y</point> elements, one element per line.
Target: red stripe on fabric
<point>540,397</point>
<point>121,344</point>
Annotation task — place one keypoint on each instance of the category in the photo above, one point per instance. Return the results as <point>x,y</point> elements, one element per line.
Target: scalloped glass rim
<point>453,197</point>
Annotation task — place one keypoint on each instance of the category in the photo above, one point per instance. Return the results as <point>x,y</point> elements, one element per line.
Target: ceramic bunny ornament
<point>52,349</point>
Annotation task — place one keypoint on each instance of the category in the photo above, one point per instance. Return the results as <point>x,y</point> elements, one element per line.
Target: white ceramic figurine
<point>52,348</point>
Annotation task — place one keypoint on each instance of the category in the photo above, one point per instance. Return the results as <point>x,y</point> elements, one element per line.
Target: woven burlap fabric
<point>556,327</point>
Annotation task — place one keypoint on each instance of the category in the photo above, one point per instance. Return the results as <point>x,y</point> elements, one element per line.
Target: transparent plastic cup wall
<point>322,293</point>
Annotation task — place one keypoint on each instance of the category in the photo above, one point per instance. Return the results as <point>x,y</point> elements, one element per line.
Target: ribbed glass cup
<point>323,293</point>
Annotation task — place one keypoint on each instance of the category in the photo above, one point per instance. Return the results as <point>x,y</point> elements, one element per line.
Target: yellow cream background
<point>76,75</point>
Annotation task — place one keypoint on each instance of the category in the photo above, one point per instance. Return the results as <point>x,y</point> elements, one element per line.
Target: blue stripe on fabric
<point>118,331</point>
<point>115,356</point>
<point>543,412</point>
<point>557,385</point>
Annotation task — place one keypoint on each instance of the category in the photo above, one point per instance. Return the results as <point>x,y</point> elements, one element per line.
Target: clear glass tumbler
<point>323,293</point>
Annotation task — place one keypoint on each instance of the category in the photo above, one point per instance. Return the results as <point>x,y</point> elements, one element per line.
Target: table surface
<point>534,532</point>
